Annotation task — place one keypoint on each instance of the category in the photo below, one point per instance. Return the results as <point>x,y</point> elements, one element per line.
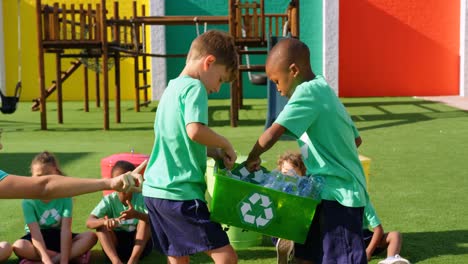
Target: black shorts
<point>51,238</point>
<point>126,242</point>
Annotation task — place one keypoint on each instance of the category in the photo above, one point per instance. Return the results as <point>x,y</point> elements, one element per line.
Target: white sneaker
<point>397,259</point>
<point>284,251</point>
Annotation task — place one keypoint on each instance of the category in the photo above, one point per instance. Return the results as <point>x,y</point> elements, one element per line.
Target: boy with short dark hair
<point>328,138</point>
<point>175,186</point>
<point>121,222</point>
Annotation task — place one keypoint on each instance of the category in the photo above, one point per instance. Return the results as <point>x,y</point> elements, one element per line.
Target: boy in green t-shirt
<point>121,222</point>
<point>328,141</point>
<point>175,186</point>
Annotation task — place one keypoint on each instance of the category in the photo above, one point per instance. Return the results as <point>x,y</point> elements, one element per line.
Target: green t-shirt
<point>370,220</point>
<point>3,175</point>
<point>315,116</point>
<point>177,164</point>
<point>47,214</point>
<point>111,206</point>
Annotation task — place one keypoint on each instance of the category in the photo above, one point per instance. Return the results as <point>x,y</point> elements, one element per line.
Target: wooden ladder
<point>64,76</point>
<point>141,82</point>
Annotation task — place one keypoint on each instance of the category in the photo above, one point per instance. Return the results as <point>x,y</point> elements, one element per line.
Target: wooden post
<point>295,19</point>
<point>117,65</point>
<point>40,56</point>
<point>105,59</point>
<point>235,84</point>
<point>145,70</point>
<point>240,90</point>
<point>58,85</point>
<point>98,84</point>
<point>86,89</point>
<point>136,41</point>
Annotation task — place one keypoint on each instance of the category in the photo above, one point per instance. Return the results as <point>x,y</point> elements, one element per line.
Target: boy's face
<point>213,75</point>
<point>283,78</point>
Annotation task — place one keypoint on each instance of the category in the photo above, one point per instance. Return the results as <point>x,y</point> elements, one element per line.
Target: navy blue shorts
<point>183,228</point>
<point>335,235</point>
<point>51,238</point>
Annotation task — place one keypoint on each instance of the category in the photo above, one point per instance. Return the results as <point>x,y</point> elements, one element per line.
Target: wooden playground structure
<point>86,34</point>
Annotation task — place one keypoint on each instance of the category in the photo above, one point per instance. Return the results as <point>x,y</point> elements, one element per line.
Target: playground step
<point>145,103</point>
<point>144,71</point>
<point>144,87</point>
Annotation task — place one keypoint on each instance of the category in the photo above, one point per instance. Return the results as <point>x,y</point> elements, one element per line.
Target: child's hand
<point>111,223</point>
<point>253,163</point>
<point>130,213</point>
<point>229,158</point>
<point>130,181</point>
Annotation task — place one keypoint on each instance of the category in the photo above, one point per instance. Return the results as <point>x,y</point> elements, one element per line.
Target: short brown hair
<point>219,44</point>
<point>295,159</point>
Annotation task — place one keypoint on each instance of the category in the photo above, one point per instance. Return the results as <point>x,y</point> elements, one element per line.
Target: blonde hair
<point>47,158</point>
<point>219,44</point>
<point>295,159</point>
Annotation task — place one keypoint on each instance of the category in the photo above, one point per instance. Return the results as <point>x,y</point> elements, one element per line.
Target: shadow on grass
<point>396,113</point>
<point>19,163</point>
<point>426,245</point>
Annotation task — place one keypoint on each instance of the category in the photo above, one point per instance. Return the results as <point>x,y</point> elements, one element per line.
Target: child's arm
<point>38,242</point>
<point>206,136</point>
<point>55,186</point>
<point>65,239</point>
<point>375,241</point>
<point>131,213</point>
<point>94,222</point>
<point>264,143</point>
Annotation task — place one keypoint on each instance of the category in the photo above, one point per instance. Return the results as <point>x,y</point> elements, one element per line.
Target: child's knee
<point>5,250</point>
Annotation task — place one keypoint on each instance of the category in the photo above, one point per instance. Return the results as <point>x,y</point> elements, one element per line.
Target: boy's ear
<point>210,59</point>
<point>294,69</point>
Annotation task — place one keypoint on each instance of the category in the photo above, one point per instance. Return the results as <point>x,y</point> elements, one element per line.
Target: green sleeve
<point>29,211</point>
<point>195,105</point>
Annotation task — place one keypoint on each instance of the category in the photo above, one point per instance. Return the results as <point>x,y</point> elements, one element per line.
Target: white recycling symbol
<point>263,216</point>
<point>50,217</point>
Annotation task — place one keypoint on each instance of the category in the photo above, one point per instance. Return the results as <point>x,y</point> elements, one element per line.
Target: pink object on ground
<point>108,162</point>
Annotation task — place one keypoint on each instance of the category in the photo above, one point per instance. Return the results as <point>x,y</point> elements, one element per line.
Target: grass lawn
<point>419,168</point>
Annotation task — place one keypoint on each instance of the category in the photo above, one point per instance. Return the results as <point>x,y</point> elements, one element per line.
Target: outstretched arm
<point>57,186</point>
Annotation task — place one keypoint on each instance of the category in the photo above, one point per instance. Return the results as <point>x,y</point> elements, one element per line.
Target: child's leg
<point>108,241</point>
<point>24,249</point>
<point>81,243</point>
<point>142,235</point>
<point>392,240</point>
<point>341,229</point>
<point>225,255</point>
<point>178,260</point>
<point>5,251</point>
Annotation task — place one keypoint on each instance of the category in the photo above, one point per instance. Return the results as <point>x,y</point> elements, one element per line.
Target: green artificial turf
<point>418,151</point>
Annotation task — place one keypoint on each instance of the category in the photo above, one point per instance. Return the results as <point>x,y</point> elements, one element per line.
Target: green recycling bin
<point>259,209</point>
